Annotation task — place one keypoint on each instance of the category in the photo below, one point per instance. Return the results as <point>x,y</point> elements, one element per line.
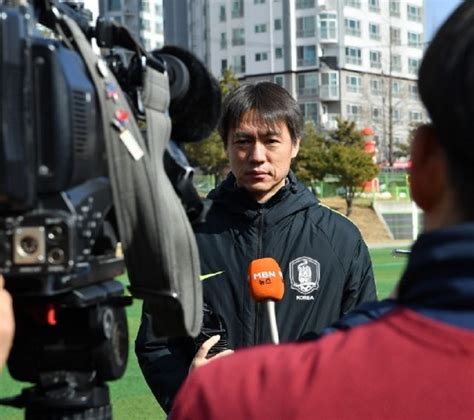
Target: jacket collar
<point>293,196</point>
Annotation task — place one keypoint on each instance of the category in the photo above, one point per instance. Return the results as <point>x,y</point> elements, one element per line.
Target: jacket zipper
<point>259,255</point>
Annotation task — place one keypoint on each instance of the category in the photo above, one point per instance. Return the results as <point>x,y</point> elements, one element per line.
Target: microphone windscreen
<point>195,113</point>
<point>265,280</point>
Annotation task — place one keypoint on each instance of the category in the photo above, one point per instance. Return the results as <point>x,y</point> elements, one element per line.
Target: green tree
<point>348,161</point>
<point>228,82</point>
<point>404,149</point>
<point>311,163</point>
<point>209,154</point>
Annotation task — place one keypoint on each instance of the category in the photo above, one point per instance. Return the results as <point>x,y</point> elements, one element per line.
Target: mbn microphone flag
<point>267,286</point>
<point>265,280</point>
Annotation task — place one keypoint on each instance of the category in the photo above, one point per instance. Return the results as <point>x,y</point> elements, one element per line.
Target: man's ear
<point>296,148</point>
<point>428,174</point>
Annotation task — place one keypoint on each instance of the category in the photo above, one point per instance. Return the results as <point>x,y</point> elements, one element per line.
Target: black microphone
<point>195,95</point>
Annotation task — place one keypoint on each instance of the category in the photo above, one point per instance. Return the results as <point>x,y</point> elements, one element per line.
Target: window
<point>395,36</point>
<point>307,84</point>
<point>304,4</point>
<point>223,66</point>
<point>261,28</point>
<point>239,63</point>
<point>279,52</point>
<point>277,24</point>
<point>396,88</point>
<point>376,86</point>
<point>413,90</point>
<point>279,80</point>
<point>413,65</point>
<point>263,56</point>
<point>354,84</point>
<point>158,9</point>
<point>396,114</point>
<point>145,6</point>
<point>413,13</point>
<point>396,63</point>
<point>114,5</point>
<point>329,85</point>
<point>147,44</point>
<point>327,26</point>
<point>237,9</point>
<point>374,31</point>
<point>306,55</point>
<point>415,116</point>
<point>223,42</point>
<point>222,17</point>
<point>414,39</point>
<point>375,59</point>
<point>395,8</point>
<point>238,36</point>
<point>258,1</point>
<point>354,112</point>
<point>144,24</point>
<point>352,3</point>
<point>159,27</point>
<point>310,111</point>
<point>352,27</point>
<point>374,6</point>
<point>305,26</point>
<point>376,114</point>
<point>353,56</point>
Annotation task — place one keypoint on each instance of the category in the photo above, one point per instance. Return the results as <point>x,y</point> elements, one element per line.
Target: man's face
<point>260,156</point>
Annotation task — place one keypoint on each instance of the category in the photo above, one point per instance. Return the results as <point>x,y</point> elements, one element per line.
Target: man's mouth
<point>257,174</point>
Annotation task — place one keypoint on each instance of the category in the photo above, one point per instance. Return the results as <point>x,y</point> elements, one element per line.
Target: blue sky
<point>436,11</point>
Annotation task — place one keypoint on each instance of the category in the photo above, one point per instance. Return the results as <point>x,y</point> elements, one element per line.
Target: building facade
<point>144,18</point>
<point>355,59</point>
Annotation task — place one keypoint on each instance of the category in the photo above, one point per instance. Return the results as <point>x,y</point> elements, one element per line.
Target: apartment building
<point>144,18</point>
<point>357,59</point>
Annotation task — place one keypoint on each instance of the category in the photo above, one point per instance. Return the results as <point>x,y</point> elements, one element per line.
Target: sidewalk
<point>401,243</point>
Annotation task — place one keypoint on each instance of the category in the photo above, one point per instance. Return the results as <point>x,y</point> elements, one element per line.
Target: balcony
<point>329,93</point>
<point>307,91</point>
<point>304,62</point>
<point>305,33</point>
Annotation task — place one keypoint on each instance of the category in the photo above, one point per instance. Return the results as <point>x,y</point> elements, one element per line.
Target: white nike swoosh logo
<point>207,276</point>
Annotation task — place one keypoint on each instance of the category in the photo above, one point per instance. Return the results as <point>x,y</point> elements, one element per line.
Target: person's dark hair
<point>446,86</point>
<point>268,101</point>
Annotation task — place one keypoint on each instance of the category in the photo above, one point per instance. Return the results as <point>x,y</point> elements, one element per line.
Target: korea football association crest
<point>304,275</point>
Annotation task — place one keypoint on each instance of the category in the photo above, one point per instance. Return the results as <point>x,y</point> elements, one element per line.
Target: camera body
<point>54,193</point>
<point>85,161</point>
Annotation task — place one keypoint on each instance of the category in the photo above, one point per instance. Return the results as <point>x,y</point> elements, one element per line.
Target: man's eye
<point>241,142</point>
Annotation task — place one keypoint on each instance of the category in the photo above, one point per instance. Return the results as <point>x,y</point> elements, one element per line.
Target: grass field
<point>131,399</point>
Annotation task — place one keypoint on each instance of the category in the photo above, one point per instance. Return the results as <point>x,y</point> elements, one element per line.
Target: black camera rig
<point>85,161</point>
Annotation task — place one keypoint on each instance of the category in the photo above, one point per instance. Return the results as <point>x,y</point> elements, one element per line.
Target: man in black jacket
<point>261,210</point>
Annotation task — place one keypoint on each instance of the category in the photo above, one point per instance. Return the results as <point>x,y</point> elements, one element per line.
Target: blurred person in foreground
<point>417,360</point>
<point>261,210</point>
<point>7,323</point>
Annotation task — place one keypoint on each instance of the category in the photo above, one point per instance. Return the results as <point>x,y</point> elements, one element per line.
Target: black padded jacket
<point>325,263</point>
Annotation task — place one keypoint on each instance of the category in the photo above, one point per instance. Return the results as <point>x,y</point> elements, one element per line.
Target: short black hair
<point>446,86</point>
<point>268,101</point>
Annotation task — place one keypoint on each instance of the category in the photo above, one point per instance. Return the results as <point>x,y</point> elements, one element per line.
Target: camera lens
<point>56,256</point>
<point>55,233</point>
<point>29,245</point>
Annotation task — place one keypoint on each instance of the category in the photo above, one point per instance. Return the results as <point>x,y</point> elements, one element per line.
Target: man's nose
<point>257,152</point>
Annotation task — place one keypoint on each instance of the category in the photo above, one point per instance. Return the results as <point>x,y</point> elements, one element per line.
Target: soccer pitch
<point>130,396</point>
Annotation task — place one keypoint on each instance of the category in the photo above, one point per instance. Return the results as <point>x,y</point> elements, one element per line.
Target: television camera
<point>86,161</point>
